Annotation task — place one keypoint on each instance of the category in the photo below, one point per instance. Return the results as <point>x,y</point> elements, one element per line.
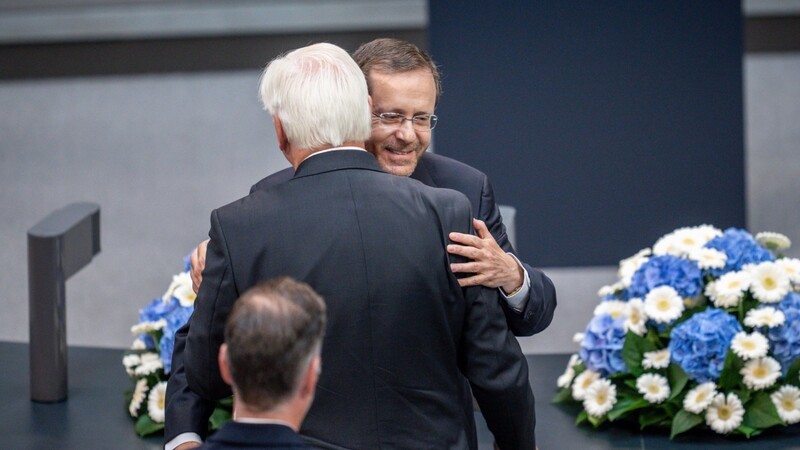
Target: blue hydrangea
<point>741,248</point>
<point>157,309</point>
<point>601,350</point>
<point>176,319</point>
<point>785,339</point>
<point>700,344</point>
<point>683,275</point>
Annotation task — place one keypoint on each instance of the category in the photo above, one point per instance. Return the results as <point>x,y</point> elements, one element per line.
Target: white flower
<point>147,327</point>
<point>663,304</point>
<point>769,282</point>
<point>138,344</point>
<point>708,258</point>
<point>653,387</point>
<point>683,240</point>
<point>183,290</point>
<point>582,383</point>
<point>600,397</point>
<point>629,266</point>
<point>766,316</point>
<point>728,291</point>
<point>151,362</point>
<point>787,402</point>
<point>773,241</point>
<point>156,401</point>
<point>577,338</point>
<point>656,360</point>
<point>635,317</point>
<point>614,308</point>
<point>792,268</point>
<point>610,289</point>
<point>131,361</point>
<point>698,399</point>
<point>725,414</point>
<point>566,378</point>
<point>138,396</point>
<point>183,279</point>
<point>760,373</point>
<point>750,345</point>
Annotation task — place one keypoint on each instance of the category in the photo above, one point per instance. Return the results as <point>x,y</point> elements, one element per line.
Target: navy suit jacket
<point>443,172</point>
<point>245,436</point>
<point>401,331</point>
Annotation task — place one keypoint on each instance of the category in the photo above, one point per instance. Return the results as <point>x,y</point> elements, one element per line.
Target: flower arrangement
<point>148,361</point>
<point>702,330</point>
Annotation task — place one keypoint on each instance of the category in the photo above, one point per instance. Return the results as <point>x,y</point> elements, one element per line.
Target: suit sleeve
<point>186,412</point>
<point>541,303</point>
<point>492,361</point>
<point>207,325</point>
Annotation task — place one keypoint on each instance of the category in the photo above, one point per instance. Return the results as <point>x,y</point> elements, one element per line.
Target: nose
<point>405,131</point>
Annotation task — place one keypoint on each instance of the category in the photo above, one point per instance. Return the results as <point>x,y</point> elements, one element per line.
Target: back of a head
<point>272,333</point>
<point>389,55</point>
<point>319,94</point>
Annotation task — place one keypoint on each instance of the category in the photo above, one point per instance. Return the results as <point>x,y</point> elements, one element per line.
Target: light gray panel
<point>772,104</point>
<point>157,153</point>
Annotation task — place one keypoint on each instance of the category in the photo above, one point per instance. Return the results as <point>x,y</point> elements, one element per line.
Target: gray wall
<point>158,152</point>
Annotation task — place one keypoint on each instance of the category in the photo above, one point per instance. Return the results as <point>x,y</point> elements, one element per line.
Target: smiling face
<point>398,148</point>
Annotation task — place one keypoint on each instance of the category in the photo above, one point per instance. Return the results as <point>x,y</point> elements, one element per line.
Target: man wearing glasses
<point>405,87</point>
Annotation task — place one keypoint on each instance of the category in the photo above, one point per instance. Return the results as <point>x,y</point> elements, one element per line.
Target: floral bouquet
<point>148,362</point>
<point>701,331</point>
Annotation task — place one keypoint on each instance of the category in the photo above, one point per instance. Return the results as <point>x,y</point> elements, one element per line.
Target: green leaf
<point>564,395</point>
<point>761,412</point>
<point>625,406</point>
<point>793,374</point>
<point>226,402</point>
<point>677,380</point>
<point>683,422</point>
<point>218,417</point>
<point>583,416</point>
<point>730,378</point>
<point>145,426</point>
<point>748,431</point>
<point>596,421</point>
<point>651,417</point>
<point>632,350</point>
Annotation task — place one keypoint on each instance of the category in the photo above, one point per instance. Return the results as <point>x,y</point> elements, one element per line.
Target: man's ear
<point>224,367</point>
<point>369,99</point>
<point>309,383</point>
<point>283,143</point>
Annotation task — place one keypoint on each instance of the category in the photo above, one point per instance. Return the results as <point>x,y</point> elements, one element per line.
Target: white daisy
<point>600,397</point>
<point>766,316</point>
<point>656,360</point>
<point>792,268</point>
<point>773,241</point>
<point>635,317</point>
<point>663,304</point>
<point>582,383</point>
<point>574,360</point>
<point>578,338</point>
<point>725,414</point>
<point>566,378</point>
<point>769,282</point>
<point>708,258</point>
<point>683,240</point>
<point>151,362</point>
<point>147,327</point>
<point>750,345</point>
<point>629,266</point>
<point>138,344</point>
<point>760,373</point>
<point>698,399</point>
<point>130,362</point>
<point>787,402</point>
<point>183,279</point>
<point>183,290</point>
<point>614,308</point>
<point>728,291</point>
<point>138,396</point>
<point>653,387</point>
<point>610,289</point>
<point>156,401</point>
<point>708,232</point>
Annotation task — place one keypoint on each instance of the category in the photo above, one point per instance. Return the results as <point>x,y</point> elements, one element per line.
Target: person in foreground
<point>401,331</point>
<point>270,357</point>
<point>405,86</point>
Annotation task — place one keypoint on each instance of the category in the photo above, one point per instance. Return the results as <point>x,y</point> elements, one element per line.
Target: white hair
<point>320,96</point>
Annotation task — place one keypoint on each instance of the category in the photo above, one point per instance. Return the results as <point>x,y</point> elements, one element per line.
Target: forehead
<point>413,91</point>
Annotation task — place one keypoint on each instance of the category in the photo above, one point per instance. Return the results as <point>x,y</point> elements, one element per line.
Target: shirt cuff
<point>182,439</point>
<point>520,298</point>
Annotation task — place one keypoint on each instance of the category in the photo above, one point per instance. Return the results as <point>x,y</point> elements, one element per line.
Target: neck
<point>296,156</point>
<point>287,412</point>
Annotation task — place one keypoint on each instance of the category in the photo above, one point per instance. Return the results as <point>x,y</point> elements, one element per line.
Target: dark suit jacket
<point>243,436</point>
<point>443,172</point>
<point>400,329</point>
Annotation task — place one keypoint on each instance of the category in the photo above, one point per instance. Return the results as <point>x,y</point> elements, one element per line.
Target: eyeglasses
<point>420,122</point>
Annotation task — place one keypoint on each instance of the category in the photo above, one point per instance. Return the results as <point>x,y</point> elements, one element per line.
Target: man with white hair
<point>401,330</point>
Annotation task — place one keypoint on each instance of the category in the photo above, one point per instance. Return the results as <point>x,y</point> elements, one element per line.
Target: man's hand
<point>198,261</point>
<point>492,266</point>
<point>188,445</point>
